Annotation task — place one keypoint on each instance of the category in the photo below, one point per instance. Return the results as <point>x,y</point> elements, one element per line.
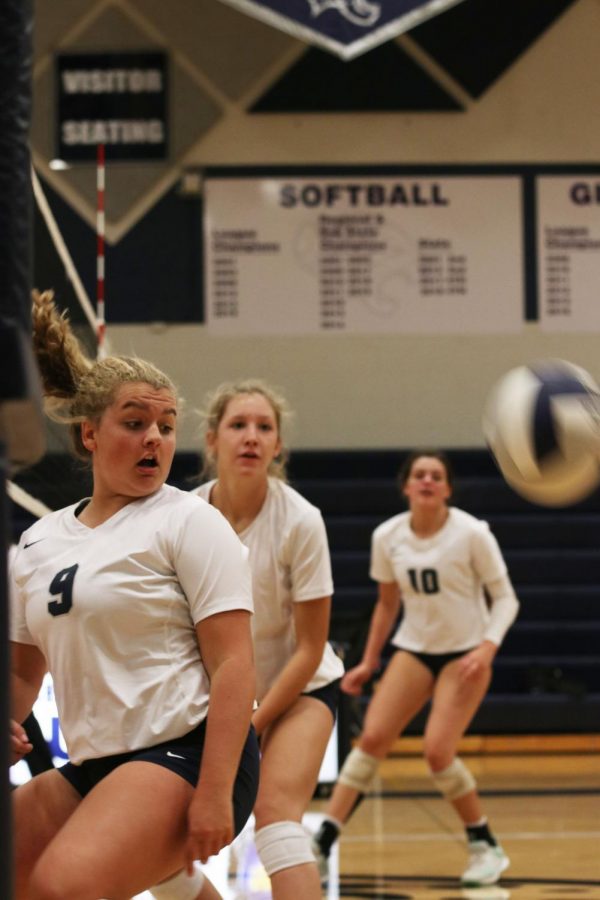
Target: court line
<point>405,838</point>
<point>507,881</point>
<point>496,792</point>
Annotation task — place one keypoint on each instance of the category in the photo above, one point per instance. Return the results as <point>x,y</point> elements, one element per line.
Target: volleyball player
<point>435,562</point>
<point>297,670</point>
<point>138,600</point>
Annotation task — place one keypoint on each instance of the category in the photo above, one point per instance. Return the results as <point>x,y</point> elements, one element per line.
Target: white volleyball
<point>542,425</point>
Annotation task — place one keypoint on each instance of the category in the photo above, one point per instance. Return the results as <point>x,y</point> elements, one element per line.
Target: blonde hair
<point>77,388</point>
<point>217,402</point>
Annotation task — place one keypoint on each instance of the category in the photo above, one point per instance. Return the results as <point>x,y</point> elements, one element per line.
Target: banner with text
<point>292,255</point>
<point>115,99</point>
<point>568,217</point>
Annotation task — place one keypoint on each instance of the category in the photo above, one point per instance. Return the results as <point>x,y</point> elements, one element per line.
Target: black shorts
<point>435,662</point>
<point>328,694</point>
<point>183,756</point>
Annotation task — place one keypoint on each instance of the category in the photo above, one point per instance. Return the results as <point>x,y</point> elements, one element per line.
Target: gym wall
<point>472,87</point>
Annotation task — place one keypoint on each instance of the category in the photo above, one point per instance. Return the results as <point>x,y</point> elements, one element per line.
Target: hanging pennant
<point>346,28</point>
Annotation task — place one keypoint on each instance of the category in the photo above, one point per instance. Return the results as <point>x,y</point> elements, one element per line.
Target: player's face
<point>247,438</point>
<point>133,444</point>
<point>427,483</point>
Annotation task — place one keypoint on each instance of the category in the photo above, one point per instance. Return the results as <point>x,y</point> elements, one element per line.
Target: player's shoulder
<point>203,490</point>
<point>468,522</point>
<point>191,502</point>
<point>48,524</point>
<point>291,501</point>
<point>393,525</point>
<point>176,513</point>
<point>40,536</point>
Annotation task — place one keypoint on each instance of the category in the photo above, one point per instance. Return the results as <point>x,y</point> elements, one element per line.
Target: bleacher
<point>547,673</point>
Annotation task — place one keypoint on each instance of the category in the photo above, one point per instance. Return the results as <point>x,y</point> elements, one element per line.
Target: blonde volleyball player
<point>138,600</point>
<point>297,671</point>
<point>435,562</point>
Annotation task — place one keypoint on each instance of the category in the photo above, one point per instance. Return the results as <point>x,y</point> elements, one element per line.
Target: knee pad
<point>359,770</point>
<point>283,845</point>
<point>180,887</point>
<point>455,781</point>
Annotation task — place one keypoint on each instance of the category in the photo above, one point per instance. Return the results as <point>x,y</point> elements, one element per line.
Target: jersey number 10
<point>424,581</point>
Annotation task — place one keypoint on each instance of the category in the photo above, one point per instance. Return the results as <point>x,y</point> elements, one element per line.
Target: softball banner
<point>400,253</point>
<point>344,27</point>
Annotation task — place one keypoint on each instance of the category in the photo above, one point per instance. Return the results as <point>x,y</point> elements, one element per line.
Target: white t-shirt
<point>113,610</point>
<point>289,558</point>
<point>441,581</point>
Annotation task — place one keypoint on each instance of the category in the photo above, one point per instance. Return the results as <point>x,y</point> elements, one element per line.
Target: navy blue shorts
<point>328,694</point>
<point>435,662</point>
<point>182,755</point>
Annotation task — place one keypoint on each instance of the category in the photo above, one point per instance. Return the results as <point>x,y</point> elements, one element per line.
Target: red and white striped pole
<point>100,183</point>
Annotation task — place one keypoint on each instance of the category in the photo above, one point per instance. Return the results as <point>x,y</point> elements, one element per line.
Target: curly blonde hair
<point>217,402</point>
<point>77,388</point>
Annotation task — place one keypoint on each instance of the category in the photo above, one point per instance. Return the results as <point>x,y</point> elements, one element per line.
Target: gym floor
<point>405,842</point>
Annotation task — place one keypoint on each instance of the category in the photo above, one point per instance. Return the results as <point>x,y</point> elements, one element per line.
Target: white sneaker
<point>322,862</point>
<point>486,864</point>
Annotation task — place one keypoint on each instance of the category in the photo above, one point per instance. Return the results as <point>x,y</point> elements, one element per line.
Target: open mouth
<point>148,463</point>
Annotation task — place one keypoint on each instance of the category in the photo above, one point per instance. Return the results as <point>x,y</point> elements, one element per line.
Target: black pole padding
<point>16,26</point>
<point>6,844</point>
<point>21,429</point>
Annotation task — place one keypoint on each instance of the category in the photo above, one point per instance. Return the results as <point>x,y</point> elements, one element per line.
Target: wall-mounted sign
<point>363,253</point>
<point>115,99</point>
<point>568,218</point>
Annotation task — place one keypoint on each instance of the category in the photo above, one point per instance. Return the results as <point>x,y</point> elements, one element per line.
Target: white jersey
<point>289,558</point>
<point>113,610</point>
<point>441,582</point>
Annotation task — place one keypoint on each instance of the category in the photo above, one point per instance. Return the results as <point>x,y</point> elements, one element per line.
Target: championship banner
<point>568,259</point>
<point>364,254</point>
<point>344,27</point>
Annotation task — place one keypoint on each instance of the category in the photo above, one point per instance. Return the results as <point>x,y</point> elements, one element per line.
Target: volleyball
<point>541,423</point>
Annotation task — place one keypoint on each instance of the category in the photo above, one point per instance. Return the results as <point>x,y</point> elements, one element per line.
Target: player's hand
<point>210,826</point>
<point>353,680</point>
<point>20,745</point>
<point>473,664</point>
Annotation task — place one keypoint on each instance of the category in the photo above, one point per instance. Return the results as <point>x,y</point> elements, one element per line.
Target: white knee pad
<point>180,887</point>
<point>359,770</point>
<point>283,845</point>
<point>455,781</point>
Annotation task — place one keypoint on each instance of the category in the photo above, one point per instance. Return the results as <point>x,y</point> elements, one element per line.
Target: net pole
<point>100,268</point>
<point>21,433</point>
<point>6,849</point>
